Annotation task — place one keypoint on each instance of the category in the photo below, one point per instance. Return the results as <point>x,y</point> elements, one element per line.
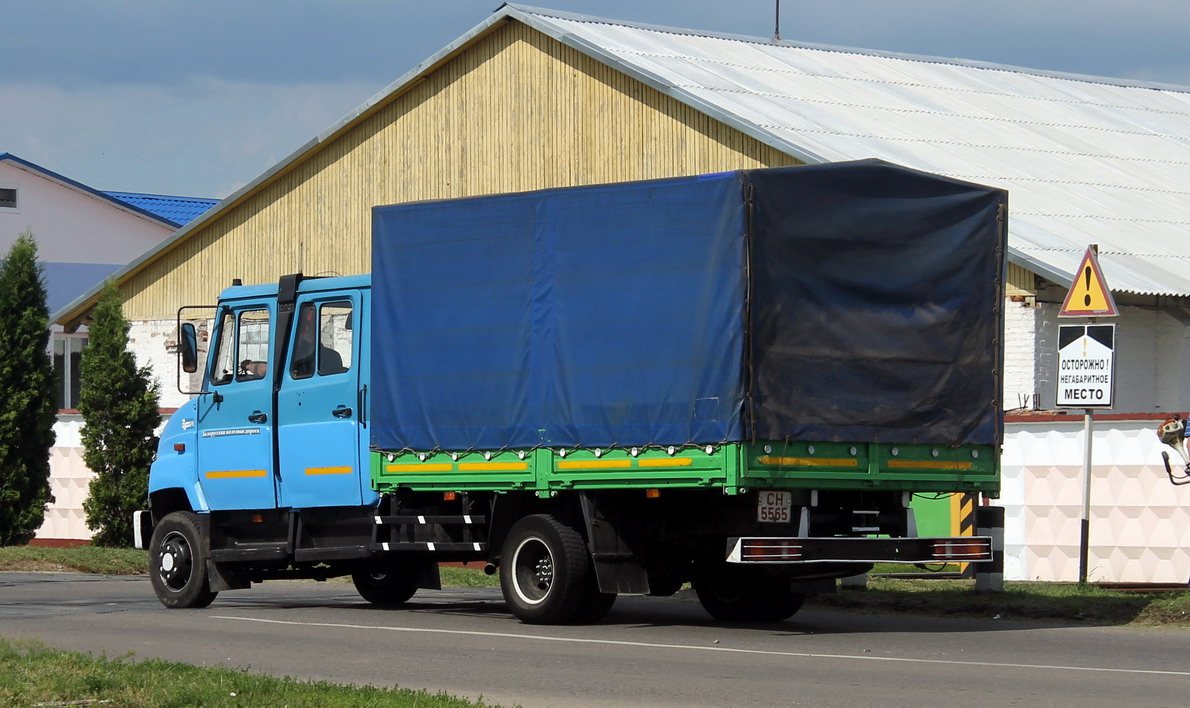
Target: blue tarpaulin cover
<point>856,301</point>
<point>588,316</point>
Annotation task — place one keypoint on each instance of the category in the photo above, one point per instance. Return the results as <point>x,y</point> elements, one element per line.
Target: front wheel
<point>545,573</point>
<point>178,570</point>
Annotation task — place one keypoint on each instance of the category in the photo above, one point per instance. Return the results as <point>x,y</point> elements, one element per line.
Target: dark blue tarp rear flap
<point>875,306</point>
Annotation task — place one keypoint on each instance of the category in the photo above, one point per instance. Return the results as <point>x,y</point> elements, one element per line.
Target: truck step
<point>429,546</point>
<point>464,519</point>
<point>329,553</point>
<point>270,551</point>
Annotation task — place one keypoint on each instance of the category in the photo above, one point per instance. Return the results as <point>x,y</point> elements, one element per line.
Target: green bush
<point>118,401</point>
<point>27,405</point>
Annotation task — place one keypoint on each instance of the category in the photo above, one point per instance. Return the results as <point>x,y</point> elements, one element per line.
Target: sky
<point>199,97</point>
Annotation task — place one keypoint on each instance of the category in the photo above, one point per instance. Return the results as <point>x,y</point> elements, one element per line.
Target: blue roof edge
<point>9,157</point>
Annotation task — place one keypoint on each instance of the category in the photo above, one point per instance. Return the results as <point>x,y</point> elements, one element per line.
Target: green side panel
<point>734,467</point>
<point>908,468</point>
<point>506,470</point>
<point>546,470</point>
<point>933,515</point>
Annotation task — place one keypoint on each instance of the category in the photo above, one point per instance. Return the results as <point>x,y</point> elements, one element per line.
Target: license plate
<point>774,506</point>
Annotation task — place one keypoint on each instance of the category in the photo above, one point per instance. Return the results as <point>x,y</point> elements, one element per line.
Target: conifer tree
<point>27,402</point>
<point>118,402</point>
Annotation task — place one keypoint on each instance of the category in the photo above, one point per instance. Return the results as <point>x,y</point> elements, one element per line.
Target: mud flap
<point>227,576</point>
<point>611,538</point>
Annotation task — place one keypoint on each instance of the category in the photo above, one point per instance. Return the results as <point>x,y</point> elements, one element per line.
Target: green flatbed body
<point>733,467</point>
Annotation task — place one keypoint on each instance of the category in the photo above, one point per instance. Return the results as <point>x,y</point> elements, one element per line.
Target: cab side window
<point>334,319</point>
<point>242,351</point>
<point>253,351</point>
<point>225,350</point>
<point>323,340</point>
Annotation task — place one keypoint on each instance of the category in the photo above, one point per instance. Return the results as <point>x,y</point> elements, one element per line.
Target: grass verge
<point>82,559</point>
<point>33,675</point>
<point>1056,602</point>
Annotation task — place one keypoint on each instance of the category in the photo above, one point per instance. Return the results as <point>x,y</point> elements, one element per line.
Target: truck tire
<point>595,605</point>
<point>732,594</point>
<point>545,572</point>
<point>390,586</point>
<point>177,564</point>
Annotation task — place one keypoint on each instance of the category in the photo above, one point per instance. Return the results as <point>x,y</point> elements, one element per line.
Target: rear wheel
<point>545,572</point>
<point>595,605</point>
<point>391,585</point>
<point>733,594</point>
<point>178,569</point>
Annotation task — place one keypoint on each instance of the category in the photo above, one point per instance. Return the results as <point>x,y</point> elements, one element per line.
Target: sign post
<point>1086,369</point>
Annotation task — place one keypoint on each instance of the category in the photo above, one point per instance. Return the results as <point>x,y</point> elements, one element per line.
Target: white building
<point>83,236</point>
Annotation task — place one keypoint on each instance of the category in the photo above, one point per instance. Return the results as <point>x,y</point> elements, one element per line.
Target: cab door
<point>318,406</point>
<point>235,421</point>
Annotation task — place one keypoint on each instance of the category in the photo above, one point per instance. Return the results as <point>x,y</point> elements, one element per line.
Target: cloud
<point>205,137</point>
<point>200,98</point>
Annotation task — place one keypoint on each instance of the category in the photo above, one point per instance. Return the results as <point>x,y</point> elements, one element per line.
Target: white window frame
<point>16,198</point>
<point>74,342</point>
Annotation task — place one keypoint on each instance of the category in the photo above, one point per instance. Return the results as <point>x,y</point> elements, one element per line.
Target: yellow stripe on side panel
<point>236,474</point>
<point>663,462</point>
<point>329,470</point>
<point>810,461</point>
<point>418,468</point>
<point>593,464</point>
<point>493,466</point>
<point>928,464</point>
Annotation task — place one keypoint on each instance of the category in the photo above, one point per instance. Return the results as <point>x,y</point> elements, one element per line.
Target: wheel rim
<point>175,562</point>
<point>532,571</point>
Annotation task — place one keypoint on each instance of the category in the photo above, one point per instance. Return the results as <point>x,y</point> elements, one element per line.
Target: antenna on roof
<point>777,24</point>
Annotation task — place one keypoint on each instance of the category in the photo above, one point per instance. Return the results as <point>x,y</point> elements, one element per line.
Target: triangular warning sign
<point>1088,295</point>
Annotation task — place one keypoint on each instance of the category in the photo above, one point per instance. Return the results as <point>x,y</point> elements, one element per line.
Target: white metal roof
<point>1085,159</point>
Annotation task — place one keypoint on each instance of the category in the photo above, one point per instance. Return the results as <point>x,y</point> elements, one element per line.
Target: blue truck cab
<point>277,435</point>
<point>317,378</point>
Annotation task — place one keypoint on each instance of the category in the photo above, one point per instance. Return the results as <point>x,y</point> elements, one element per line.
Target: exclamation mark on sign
<point>1087,297</point>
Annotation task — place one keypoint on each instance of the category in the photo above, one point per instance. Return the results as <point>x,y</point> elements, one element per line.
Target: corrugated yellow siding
<point>515,111</point>
<point>1021,281</point>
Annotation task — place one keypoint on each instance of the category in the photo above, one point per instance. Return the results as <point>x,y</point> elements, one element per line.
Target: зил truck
<point>737,380</point>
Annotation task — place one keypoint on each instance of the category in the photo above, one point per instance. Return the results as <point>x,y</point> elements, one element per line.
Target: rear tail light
<point>974,550</point>
<point>767,550</point>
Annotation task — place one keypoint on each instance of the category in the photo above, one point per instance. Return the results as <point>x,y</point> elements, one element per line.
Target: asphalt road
<point>648,652</point>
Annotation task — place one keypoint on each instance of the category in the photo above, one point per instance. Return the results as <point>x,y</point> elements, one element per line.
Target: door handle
<point>258,417</point>
<point>341,412</point>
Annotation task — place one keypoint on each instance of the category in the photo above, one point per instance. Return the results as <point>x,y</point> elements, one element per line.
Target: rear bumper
<point>787,550</point>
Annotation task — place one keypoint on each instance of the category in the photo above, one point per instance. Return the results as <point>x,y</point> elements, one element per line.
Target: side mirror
<point>188,347</point>
<point>188,343</point>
